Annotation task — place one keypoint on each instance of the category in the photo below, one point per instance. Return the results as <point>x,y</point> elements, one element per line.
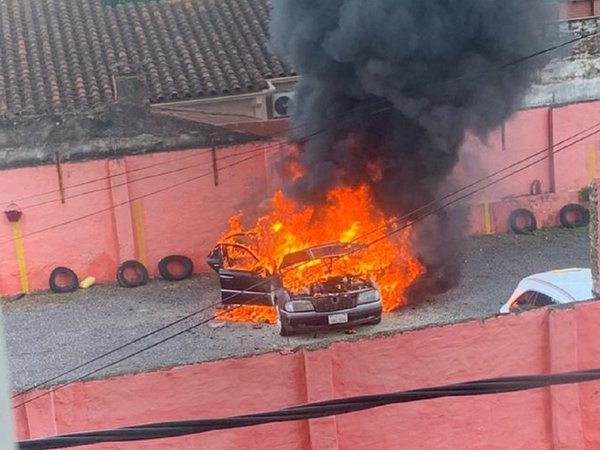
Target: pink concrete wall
<point>527,133</point>
<point>544,341</point>
<point>187,218</point>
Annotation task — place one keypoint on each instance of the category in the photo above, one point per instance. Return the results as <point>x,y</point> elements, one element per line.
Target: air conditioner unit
<point>283,104</point>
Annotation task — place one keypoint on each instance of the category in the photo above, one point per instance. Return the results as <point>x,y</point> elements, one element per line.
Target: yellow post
<point>18,237</point>
<point>487,218</point>
<point>592,162</point>
<point>138,230</point>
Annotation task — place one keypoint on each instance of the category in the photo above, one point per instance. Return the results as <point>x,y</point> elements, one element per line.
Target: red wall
<point>544,341</point>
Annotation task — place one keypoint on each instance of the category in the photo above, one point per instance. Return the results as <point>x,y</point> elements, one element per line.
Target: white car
<point>551,288</point>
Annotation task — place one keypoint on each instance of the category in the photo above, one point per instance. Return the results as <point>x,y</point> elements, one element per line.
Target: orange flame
<point>348,215</point>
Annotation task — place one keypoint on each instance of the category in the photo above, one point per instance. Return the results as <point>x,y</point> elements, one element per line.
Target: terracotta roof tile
<point>59,55</point>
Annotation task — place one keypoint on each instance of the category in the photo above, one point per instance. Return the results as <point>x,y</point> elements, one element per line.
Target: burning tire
<point>63,280</point>
<point>574,216</point>
<point>132,274</point>
<point>522,221</point>
<point>175,267</point>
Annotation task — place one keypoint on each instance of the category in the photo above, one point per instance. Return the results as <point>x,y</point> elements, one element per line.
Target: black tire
<point>517,217</point>
<point>185,262</point>
<point>59,287</point>
<point>284,329</point>
<point>574,216</point>
<point>141,274</point>
<point>375,321</point>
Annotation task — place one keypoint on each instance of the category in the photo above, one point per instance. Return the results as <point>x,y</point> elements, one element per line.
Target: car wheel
<point>376,321</point>
<point>283,329</point>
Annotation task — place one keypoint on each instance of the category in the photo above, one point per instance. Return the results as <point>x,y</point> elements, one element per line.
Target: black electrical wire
<point>139,197</point>
<point>468,194</point>
<point>143,178</point>
<point>481,180</point>
<point>134,341</point>
<point>385,236</point>
<point>161,430</point>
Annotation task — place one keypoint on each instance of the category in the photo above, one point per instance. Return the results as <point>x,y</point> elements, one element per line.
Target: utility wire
<point>134,341</point>
<point>479,181</point>
<point>314,410</point>
<point>139,197</point>
<point>385,236</point>
<point>468,194</point>
<point>146,177</point>
<point>371,243</point>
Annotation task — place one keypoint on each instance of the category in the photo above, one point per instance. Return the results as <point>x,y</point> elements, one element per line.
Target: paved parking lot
<point>50,333</point>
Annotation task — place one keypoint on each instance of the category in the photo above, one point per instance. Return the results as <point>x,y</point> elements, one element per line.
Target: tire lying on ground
<point>522,221</point>
<point>574,216</point>
<point>132,274</point>
<point>175,267</point>
<point>62,280</point>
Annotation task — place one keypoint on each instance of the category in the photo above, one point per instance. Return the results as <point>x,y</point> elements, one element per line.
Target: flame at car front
<point>348,216</point>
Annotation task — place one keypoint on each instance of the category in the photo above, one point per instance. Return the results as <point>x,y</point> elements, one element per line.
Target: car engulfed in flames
<point>278,254</point>
<point>330,301</point>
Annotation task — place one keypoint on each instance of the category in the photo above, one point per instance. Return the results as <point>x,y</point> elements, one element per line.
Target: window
<point>531,300</point>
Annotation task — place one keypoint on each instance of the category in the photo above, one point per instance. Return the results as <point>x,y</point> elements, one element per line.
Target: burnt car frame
<point>340,301</point>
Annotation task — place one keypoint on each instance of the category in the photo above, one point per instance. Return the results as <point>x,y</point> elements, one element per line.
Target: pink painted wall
<point>187,218</point>
<point>537,342</point>
<point>527,133</point>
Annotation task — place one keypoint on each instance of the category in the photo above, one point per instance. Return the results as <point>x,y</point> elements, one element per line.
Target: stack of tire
<point>573,215</point>
<point>130,274</point>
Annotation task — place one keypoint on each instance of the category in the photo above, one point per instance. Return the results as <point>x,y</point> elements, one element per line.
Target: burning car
<point>330,301</point>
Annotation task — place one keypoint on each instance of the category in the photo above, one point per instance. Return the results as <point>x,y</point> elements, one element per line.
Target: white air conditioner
<point>282,104</point>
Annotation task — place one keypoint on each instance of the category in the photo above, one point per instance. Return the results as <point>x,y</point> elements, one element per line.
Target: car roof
<point>573,283</point>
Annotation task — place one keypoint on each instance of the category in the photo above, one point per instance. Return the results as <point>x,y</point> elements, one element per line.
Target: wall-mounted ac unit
<point>283,104</point>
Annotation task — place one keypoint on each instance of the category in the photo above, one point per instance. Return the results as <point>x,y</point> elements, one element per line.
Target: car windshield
<point>333,250</point>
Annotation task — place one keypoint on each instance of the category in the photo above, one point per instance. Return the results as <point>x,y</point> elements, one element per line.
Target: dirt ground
<point>48,334</point>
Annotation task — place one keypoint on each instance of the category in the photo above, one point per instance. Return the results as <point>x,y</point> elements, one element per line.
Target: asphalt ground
<point>48,334</point>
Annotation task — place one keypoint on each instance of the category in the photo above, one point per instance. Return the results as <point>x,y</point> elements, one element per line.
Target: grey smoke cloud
<point>397,84</point>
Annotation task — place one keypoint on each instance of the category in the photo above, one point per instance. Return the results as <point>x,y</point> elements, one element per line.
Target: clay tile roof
<point>60,55</point>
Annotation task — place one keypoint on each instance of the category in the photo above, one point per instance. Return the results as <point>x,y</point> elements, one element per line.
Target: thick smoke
<point>397,84</point>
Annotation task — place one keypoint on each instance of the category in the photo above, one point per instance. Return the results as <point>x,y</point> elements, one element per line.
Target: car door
<point>243,281</point>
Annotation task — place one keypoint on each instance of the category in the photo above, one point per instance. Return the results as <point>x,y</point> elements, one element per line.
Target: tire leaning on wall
<point>186,264</point>
<point>522,221</point>
<point>574,215</point>
<point>55,284</point>
<point>140,270</point>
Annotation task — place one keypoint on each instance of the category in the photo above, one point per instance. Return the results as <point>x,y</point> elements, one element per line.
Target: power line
<point>479,181</point>
<point>161,430</point>
<point>407,224</point>
<point>146,177</point>
<point>134,341</point>
<point>468,194</point>
<point>139,197</point>
<point>385,236</point>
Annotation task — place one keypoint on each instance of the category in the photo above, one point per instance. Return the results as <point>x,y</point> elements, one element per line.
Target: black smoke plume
<point>397,84</point>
